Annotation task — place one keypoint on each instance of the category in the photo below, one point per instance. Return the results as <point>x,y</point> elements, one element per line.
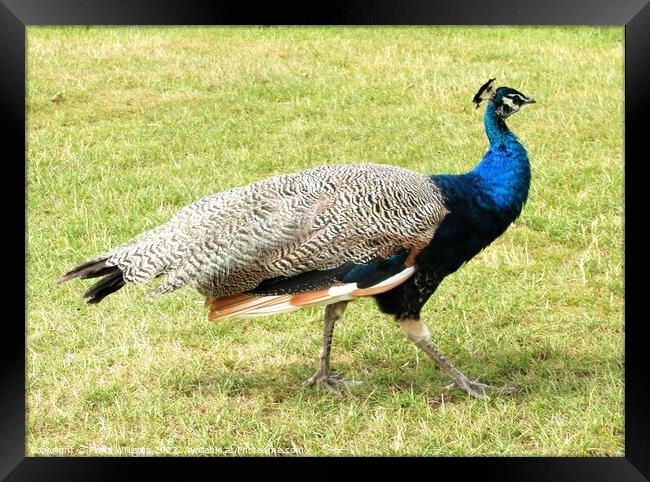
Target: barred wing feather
<point>311,221</point>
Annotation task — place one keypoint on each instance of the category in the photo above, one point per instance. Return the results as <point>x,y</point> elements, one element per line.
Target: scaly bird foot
<point>330,381</point>
<point>476,389</point>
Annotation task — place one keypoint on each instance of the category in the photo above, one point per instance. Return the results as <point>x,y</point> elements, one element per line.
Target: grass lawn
<point>127,125</point>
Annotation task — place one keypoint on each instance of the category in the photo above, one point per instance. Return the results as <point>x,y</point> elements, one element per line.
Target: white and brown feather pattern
<point>315,219</point>
<point>245,305</point>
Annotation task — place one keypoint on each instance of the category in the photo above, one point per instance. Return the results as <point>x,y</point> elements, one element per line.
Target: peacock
<point>332,234</point>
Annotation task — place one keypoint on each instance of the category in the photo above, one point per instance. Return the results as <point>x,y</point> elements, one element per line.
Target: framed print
<point>201,192</point>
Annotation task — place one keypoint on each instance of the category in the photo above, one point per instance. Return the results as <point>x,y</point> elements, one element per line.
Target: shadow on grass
<point>558,370</point>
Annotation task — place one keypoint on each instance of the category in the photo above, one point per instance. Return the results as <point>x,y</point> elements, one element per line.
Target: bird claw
<point>330,381</point>
<point>476,389</point>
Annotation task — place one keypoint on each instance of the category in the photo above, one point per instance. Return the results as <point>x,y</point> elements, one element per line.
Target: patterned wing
<point>312,221</point>
<point>335,215</point>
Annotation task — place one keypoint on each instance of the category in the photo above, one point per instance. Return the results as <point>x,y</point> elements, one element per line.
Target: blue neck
<point>482,202</point>
<point>504,172</point>
<point>496,129</point>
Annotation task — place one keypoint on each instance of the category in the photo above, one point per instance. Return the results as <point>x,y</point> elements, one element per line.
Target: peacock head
<point>506,100</point>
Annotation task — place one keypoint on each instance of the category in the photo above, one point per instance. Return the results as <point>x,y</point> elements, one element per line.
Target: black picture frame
<point>15,15</point>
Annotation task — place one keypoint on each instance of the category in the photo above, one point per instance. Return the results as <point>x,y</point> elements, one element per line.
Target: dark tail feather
<point>104,287</point>
<point>113,279</point>
<point>91,269</point>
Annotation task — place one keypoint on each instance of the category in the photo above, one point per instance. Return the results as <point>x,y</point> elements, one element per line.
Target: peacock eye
<point>516,99</point>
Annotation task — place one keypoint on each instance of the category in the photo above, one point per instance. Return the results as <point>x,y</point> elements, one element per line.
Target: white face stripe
<point>513,95</point>
<point>509,102</point>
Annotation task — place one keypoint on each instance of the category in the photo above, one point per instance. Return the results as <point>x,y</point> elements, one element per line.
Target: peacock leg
<point>322,376</point>
<point>418,333</point>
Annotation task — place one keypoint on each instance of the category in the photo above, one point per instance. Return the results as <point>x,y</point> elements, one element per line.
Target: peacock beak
<point>529,100</point>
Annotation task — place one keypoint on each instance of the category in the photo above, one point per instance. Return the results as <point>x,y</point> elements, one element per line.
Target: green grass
<point>150,119</point>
